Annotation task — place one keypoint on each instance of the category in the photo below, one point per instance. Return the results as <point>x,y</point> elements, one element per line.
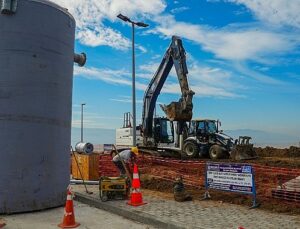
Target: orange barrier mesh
<point>271,182</point>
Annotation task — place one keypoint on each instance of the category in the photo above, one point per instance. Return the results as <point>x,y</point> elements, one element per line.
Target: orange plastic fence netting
<point>271,182</point>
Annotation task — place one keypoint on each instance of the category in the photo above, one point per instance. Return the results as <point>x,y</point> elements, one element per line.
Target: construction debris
<point>180,193</point>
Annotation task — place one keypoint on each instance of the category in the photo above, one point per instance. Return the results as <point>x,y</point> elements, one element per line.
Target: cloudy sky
<point>243,58</point>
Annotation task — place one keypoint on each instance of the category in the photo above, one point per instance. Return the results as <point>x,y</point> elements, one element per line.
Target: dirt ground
<point>270,156</point>
<point>288,157</point>
<point>275,152</point>
<point>165,189</point>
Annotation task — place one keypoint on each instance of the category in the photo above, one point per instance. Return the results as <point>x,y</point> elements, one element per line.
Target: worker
<point>126,156</point>
<point>180,194</point>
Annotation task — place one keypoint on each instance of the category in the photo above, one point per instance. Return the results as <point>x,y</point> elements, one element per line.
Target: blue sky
<point>243,58</point>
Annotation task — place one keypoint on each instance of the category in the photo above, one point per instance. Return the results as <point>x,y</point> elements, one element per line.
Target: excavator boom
<point>176,111</point>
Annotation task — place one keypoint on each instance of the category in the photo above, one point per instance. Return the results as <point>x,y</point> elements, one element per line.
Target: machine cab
<point>203,127</point>
<point>163,130</point>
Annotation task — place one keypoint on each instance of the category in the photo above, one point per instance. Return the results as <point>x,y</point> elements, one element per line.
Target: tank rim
<point>54,5</point>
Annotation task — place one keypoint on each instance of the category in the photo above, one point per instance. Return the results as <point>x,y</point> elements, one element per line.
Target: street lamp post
<point>139,24</point>
<point>81,135</point>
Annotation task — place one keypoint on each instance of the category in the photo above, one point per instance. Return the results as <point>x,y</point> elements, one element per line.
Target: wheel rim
<point>213,153</point>
<point>189,150</point>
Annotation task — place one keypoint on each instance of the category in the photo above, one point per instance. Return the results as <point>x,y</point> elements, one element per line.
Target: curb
<point>135,216</point>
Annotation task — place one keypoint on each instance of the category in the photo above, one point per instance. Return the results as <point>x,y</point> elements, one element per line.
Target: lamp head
<point>123,18</point>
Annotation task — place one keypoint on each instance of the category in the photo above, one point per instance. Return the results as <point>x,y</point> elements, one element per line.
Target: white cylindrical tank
<point>36,70</point>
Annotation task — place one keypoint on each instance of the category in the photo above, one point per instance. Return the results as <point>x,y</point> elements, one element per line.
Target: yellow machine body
<point>113,188</point>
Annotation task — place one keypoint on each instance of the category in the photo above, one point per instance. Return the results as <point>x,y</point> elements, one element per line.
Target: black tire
<point>216,152</point>
<point>190,149</point>
<point>103,196</point>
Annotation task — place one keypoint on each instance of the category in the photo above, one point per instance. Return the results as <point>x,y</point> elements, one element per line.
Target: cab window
<point>211,127</point>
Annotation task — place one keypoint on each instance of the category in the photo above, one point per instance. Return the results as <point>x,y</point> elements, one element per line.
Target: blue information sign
<point>231,177</point>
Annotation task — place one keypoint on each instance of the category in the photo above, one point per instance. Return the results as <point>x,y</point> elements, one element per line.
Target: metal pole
<point>81,135</point>
<point>133,91</point>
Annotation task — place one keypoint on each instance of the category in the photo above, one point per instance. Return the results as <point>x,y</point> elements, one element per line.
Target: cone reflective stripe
<point>69,217</point>
<point>69,197</point>
<point>136,179</point>
<point>136,198</point>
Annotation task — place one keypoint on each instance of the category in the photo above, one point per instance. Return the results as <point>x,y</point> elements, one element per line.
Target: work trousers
<point>120,166</point>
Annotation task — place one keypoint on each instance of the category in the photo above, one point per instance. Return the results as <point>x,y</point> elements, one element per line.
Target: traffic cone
<point>136,198</point>
<point>69,217</point>
<point>2,223</point>
<point>135,178</point>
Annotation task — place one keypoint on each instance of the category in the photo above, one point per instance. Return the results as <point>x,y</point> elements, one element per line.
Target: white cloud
<point>278,12</point>
<point>151,67</point>
<point>116,77</point>
<point>91,120</point>
<point>101,35</point>
<point>90,16</point>
<point>179,9</point>
<point>201,91</point>
<point>205,81</point>
<point>124,100</point>
<point>231,43</point>
<point>245,70</point>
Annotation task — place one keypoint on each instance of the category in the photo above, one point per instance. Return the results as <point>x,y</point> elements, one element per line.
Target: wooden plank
<point>88,164</point>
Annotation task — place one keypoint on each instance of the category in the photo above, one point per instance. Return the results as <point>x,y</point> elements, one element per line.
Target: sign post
<point>230,177</point>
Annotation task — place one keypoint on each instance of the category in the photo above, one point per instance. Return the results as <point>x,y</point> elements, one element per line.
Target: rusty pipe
<point>80,59</point>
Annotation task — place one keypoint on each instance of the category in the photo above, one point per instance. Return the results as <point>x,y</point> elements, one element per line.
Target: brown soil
<point>288,157</point>
<point>164,189</point>
<point>269,156</point>
<point>275,152</point>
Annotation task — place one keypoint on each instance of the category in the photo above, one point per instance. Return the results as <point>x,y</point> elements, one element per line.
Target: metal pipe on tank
<point>8,6</point>
<point>80,59</point>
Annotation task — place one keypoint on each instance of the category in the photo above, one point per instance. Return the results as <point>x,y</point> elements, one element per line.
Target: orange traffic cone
<point>136,198</point>
<point>2,223</point>
<point>135,178</point>
<point>69,217</point>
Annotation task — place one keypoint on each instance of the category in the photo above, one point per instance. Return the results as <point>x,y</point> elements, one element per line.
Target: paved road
<point>202,214</point>
<point>89,217</point>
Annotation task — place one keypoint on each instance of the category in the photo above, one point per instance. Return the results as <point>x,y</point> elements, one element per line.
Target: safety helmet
<point>135,150</point>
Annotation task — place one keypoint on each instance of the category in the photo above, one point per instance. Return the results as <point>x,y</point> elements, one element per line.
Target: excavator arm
<point>176,111</point>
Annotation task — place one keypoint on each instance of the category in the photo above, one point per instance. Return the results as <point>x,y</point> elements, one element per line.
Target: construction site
<point>167,166</point>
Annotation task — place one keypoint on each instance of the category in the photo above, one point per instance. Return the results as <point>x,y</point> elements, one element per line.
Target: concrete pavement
<point>166,213</point>
<point>88,217</point>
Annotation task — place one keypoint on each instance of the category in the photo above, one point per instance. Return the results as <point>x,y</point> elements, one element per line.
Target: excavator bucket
<point>243,150</point>
<point>174,112</point>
